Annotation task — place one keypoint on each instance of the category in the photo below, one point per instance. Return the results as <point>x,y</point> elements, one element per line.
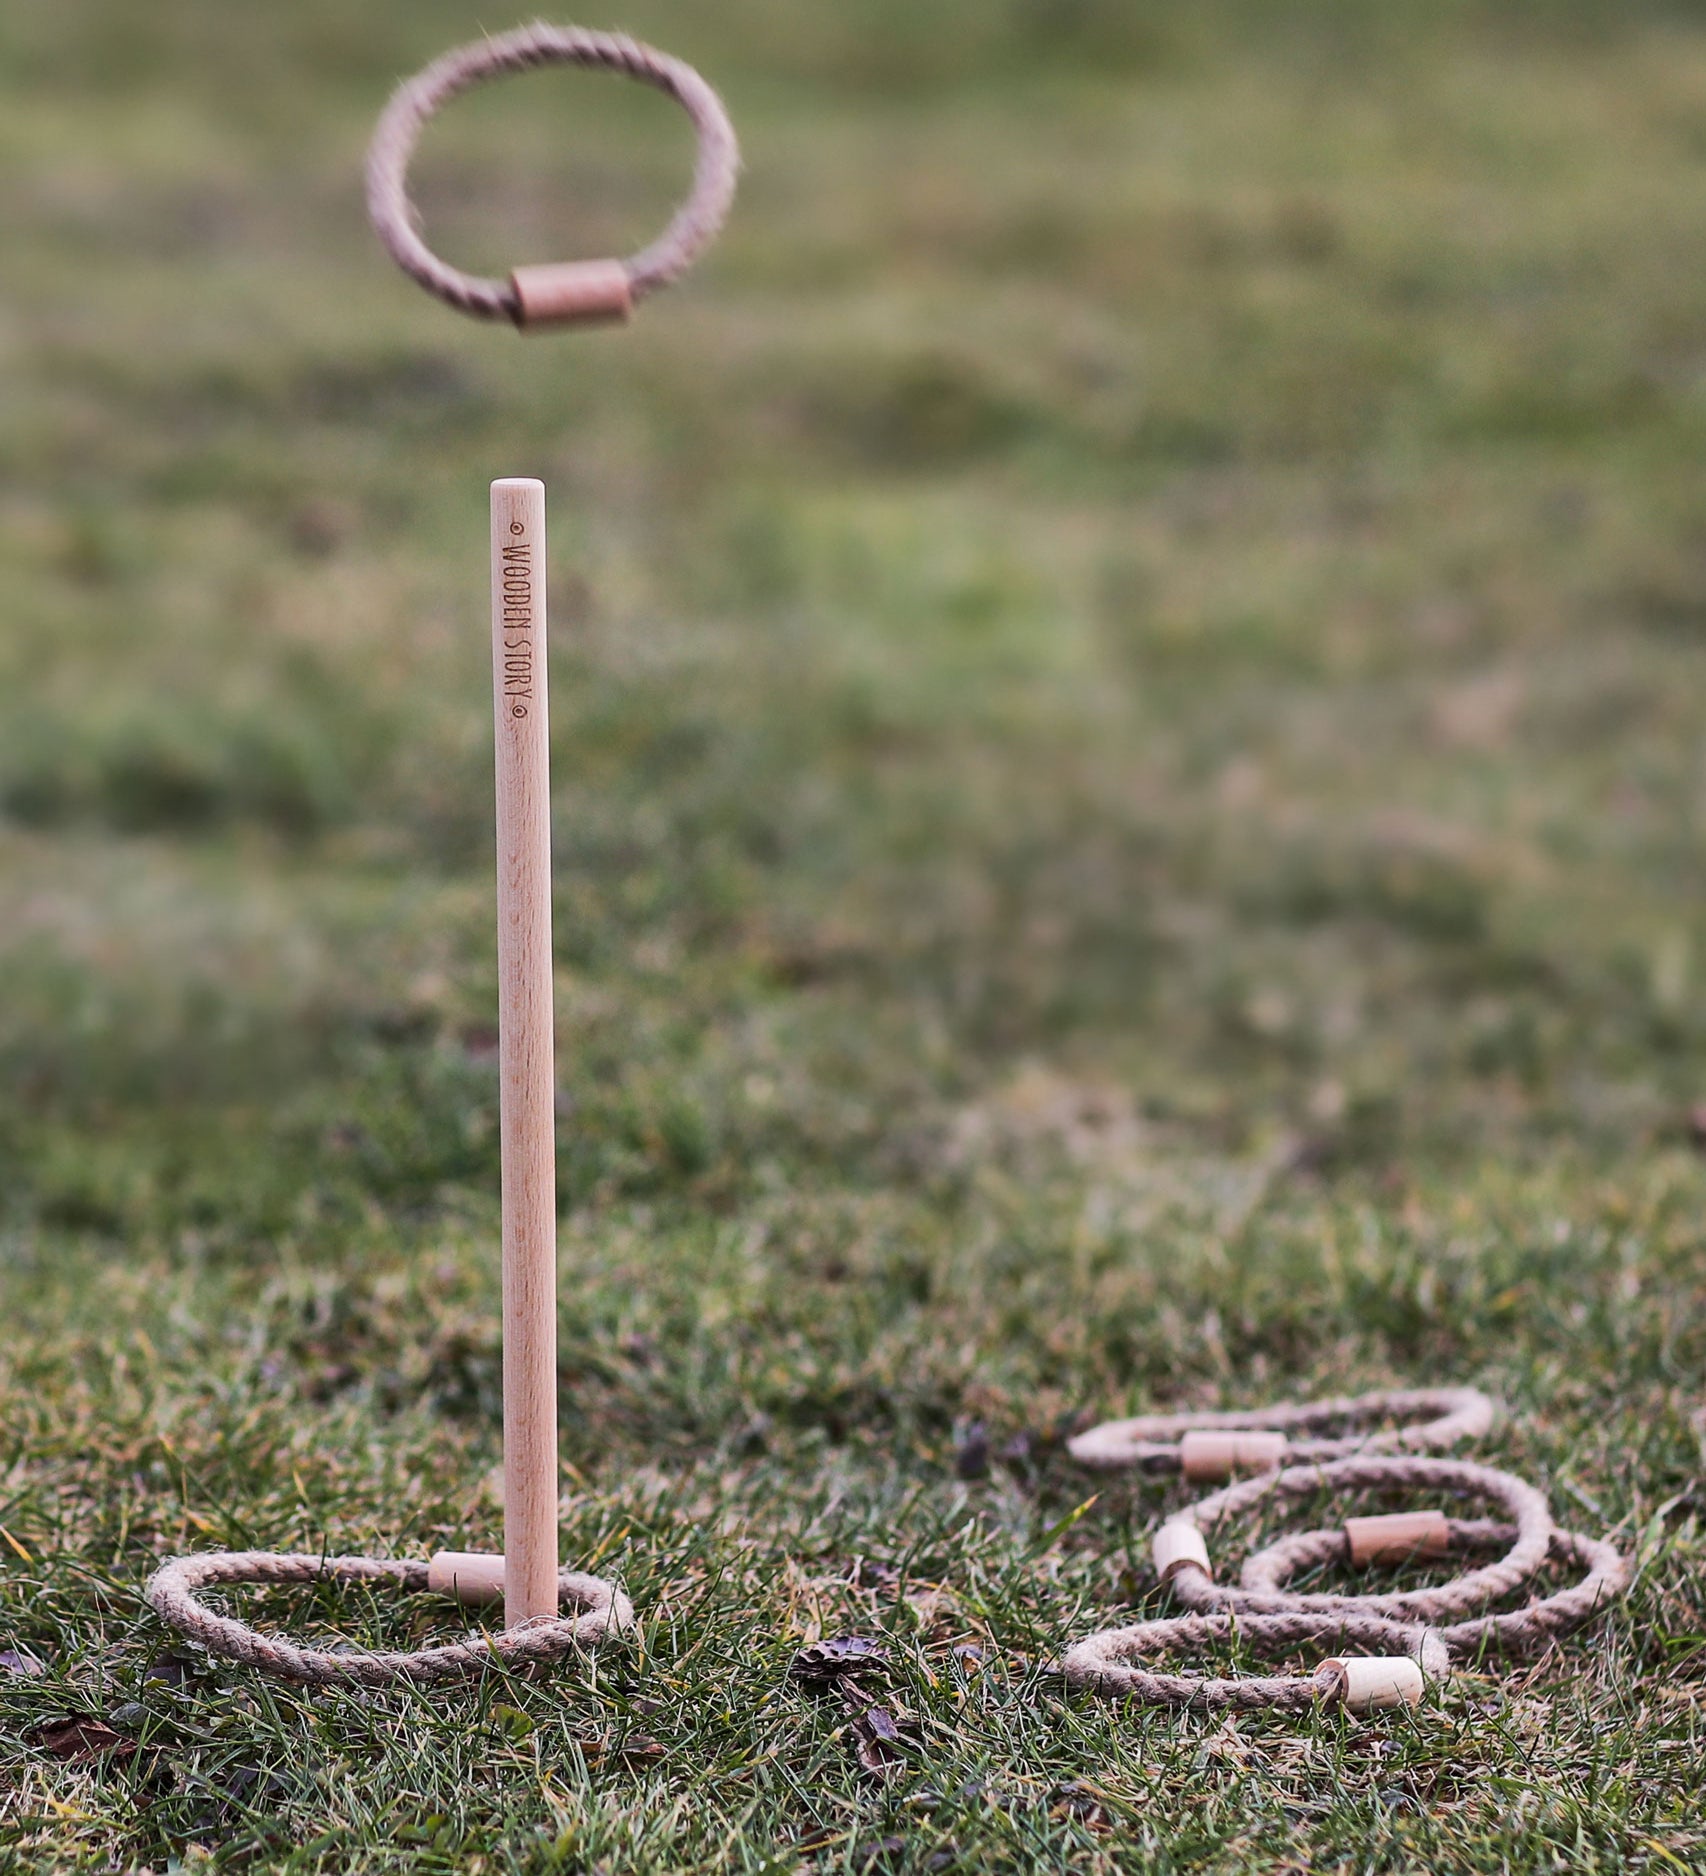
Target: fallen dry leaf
<point>77,1738</point>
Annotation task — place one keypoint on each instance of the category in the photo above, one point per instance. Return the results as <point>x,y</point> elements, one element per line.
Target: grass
<point>1129,709</point>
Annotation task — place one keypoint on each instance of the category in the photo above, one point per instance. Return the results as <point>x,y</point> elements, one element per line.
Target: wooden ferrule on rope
<point>466,1576</point>
<point>1208,1454</point>
<point>1176,1544</point>
<point>1397,1536</point>
<point>1369,1681</point>
<point>572,293</point>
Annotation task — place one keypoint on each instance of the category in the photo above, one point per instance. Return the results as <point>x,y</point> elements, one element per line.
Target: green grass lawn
<point>1130,776</point>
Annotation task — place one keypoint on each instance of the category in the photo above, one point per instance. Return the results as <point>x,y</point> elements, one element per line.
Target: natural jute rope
<point>1409,1628</point>
<point>172,1593</point>
<point>1161,1442</point>
<point>575,290</point>
<point>1261,1611</point>
<point>1108,1662</point>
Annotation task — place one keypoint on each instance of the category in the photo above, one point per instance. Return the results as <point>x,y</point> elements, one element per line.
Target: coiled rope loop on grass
<point>1116,1661</point>
<point>1262,1611</point>
<point>1194,1587</point>
<point>173,1594</point>
<point>417,100</point>
<point>1605,1577</point>
<point>1410,1628</point>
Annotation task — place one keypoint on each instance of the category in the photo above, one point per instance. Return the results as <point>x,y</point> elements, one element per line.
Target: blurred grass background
<point>1128,780</point>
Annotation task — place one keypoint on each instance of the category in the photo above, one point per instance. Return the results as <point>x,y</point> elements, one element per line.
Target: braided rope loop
<point>417,100</point>
<point>1115,1661</point>
<point>1154,1442</point>
<point>1526,1506</point>
<point>173,1594</point>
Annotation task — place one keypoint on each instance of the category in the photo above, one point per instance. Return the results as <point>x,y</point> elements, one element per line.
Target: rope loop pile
<point>173,1592</point>
<point>417,100</point>
<point>1433,1626</point>
<point>1414,1634</point>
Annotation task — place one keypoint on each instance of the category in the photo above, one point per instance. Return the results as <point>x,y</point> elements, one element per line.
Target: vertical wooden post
<point>526,1066</point>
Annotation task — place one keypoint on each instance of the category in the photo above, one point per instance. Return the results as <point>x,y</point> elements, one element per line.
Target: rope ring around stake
<point>173,1594</point>
<point>572,292</point>
<point>1162,1443</point>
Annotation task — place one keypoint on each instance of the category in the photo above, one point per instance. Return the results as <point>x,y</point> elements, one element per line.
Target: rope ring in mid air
<point>566,292</point>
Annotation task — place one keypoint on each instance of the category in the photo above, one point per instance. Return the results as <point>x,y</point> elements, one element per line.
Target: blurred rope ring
<point>1216,1445</point>
<point>565,292</point>
<point>173,1594</point>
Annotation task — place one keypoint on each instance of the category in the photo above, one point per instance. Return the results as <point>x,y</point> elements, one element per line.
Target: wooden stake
<point>526,1065</point>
